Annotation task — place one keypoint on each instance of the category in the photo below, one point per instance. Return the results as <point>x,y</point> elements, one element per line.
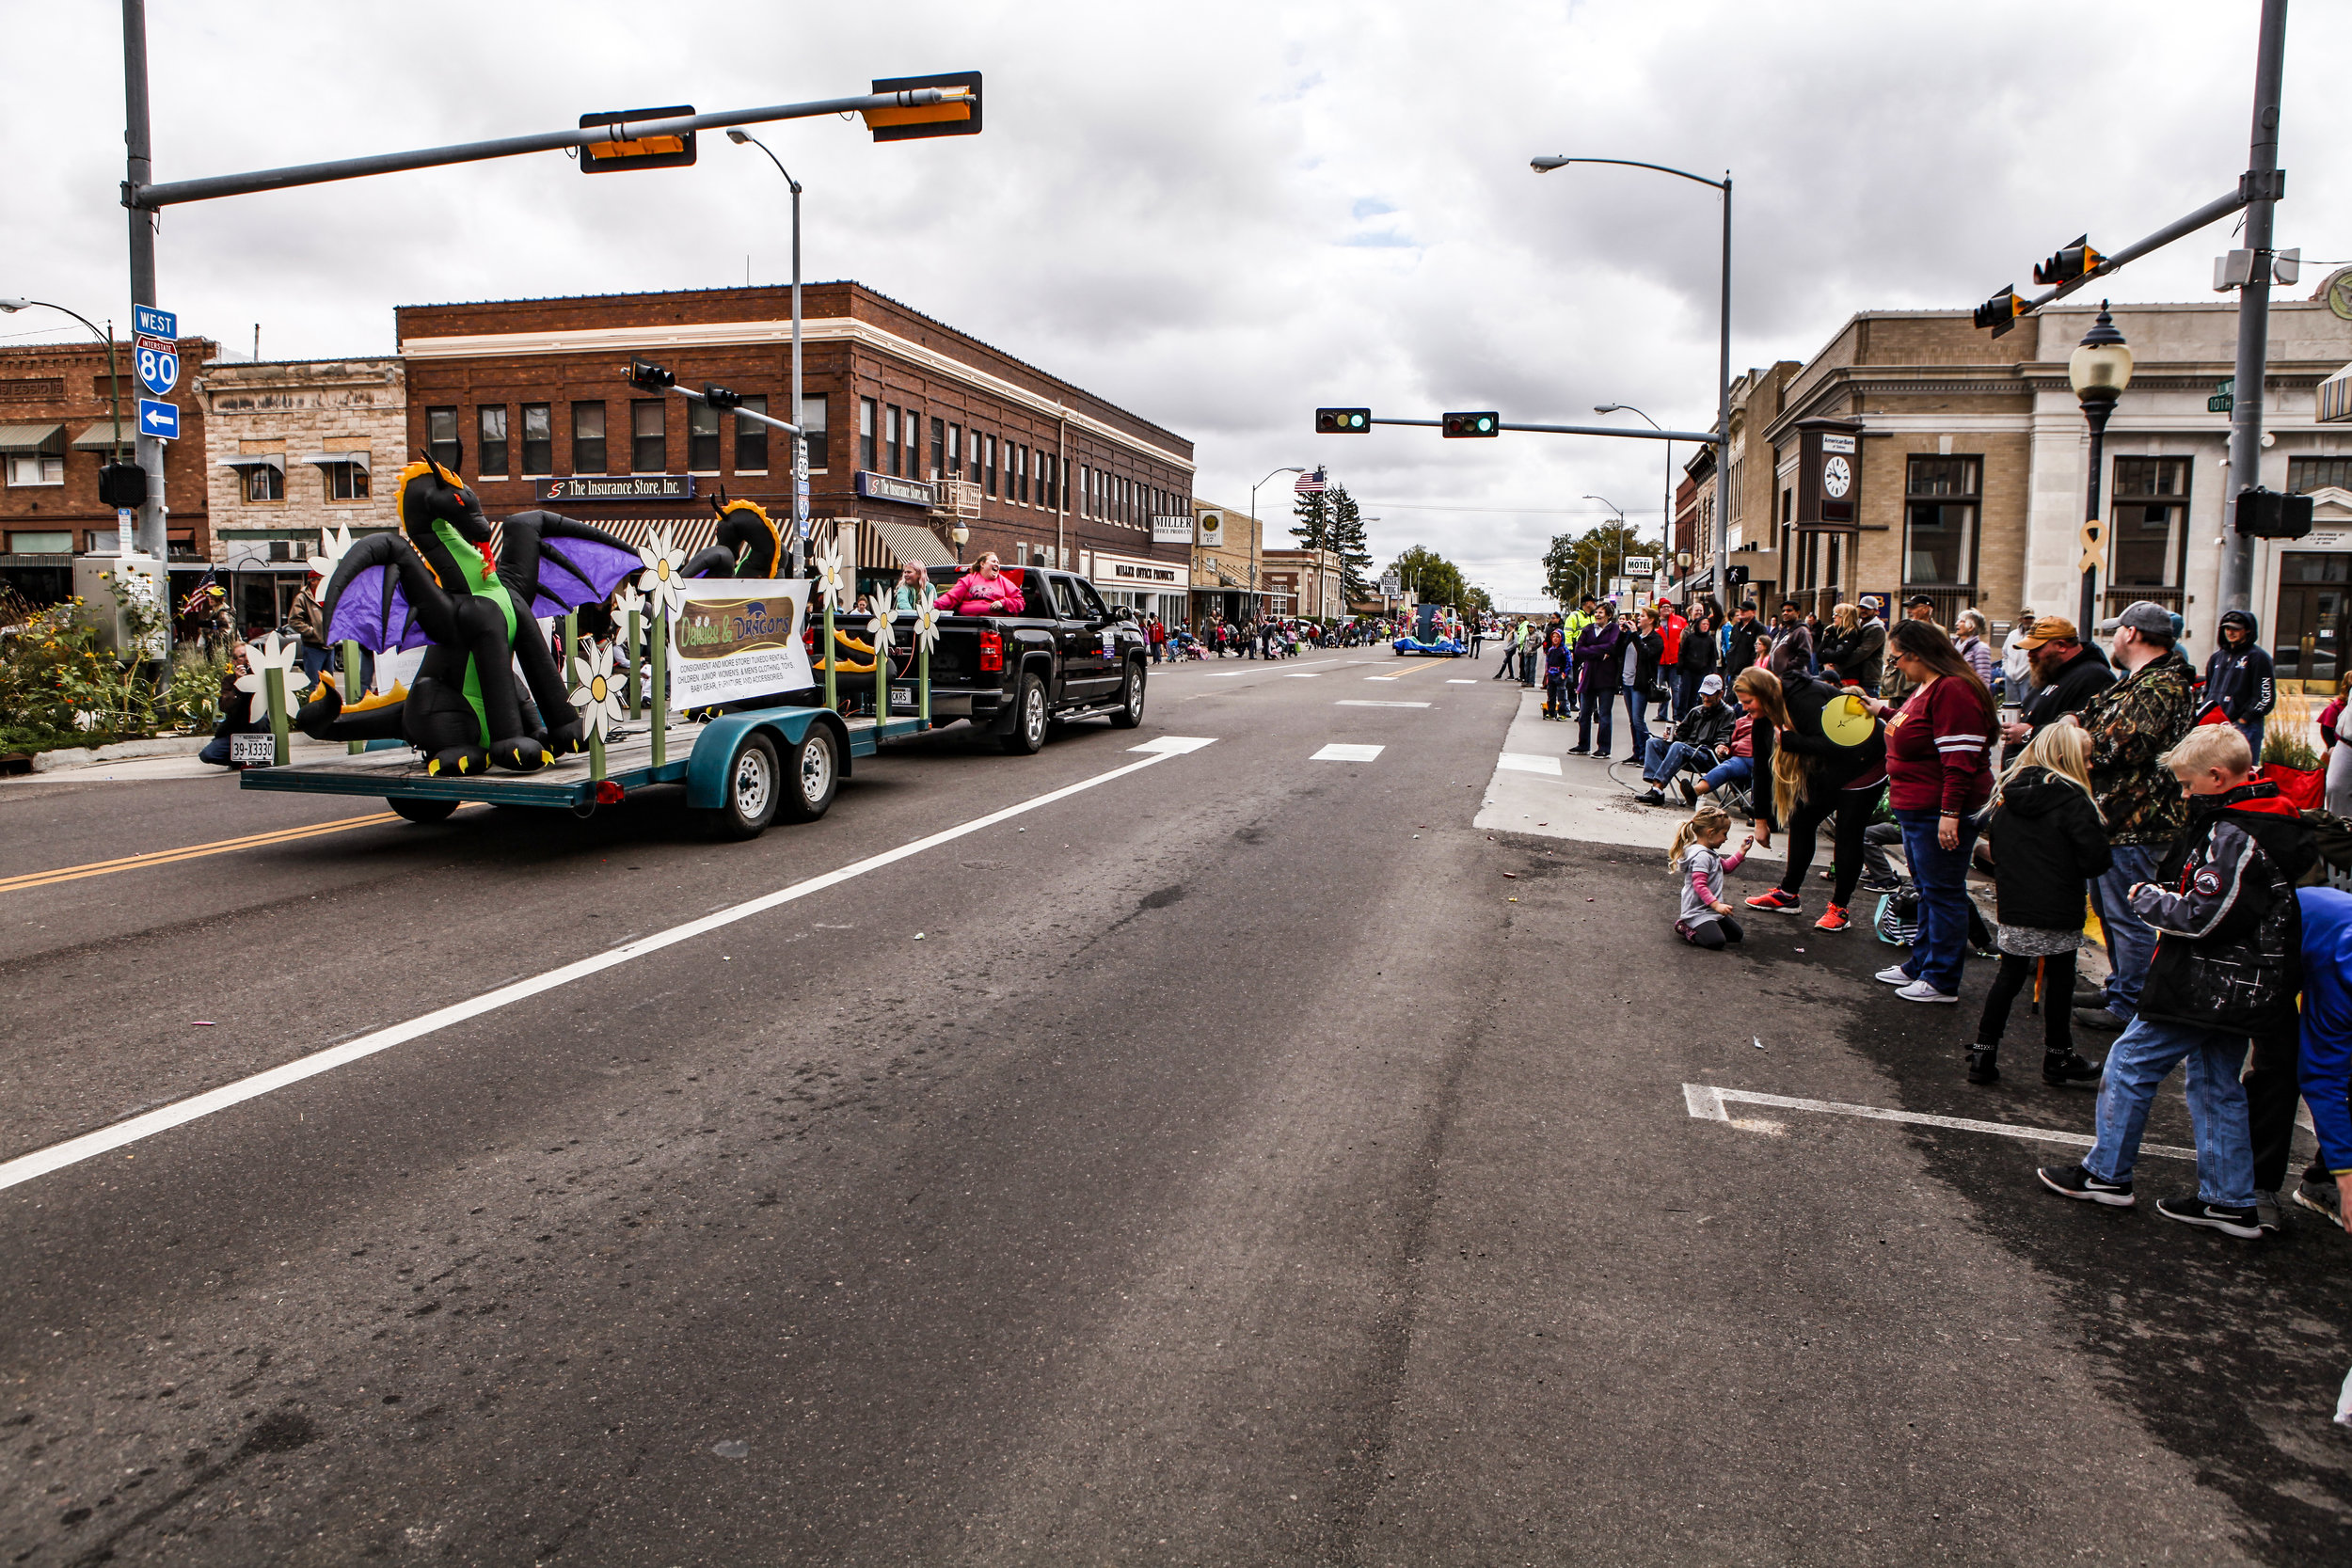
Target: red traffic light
<point>1482,422</point>
<point>1342,421</point>
<point>646,376</point>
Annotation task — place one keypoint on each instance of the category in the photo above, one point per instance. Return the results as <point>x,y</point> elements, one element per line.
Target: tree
<point>1313,529</point>
<point>1577,564</point>
<point>1348,537</point>
<point>1434,579</point>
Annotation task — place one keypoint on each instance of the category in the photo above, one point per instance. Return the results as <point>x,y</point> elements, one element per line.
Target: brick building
<point>294,448</point>
<point>57,431</point>
<point>913,429</point>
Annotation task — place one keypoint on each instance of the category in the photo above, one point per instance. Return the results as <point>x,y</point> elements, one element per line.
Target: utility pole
<point>2261,187</point>
<point>138,172</point>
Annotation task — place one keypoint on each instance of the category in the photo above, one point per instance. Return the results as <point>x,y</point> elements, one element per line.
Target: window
<point>1941,496</point>
<point>2306,474</point>
<point>1018,475</point>
<point>813,413</point>
<point>890,436</point>
<point>491,454</point>
<point>1053,482</point>
<point>1063,601</point>
<point>265,482</point>
<point>588,438</point>
<point>751,439</point>
<point>939,450</point>
<point>954,466</point>
<point>441,437</point>
<point>865,433</point>
<point>41,543</point>
<point>1085,494</point>
<point>702,439</point>
<point>2148,524</point>
<point>35,467</point>
<point>971,457</point>
<point>649,441</point>
<point>538,438</point>
<point>345,481</point>
<point>992,464</point>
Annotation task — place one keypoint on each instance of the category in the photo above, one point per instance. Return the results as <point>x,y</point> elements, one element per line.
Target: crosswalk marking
<point>1524,762</point>
<point>1175,745</point>
<point>1709,1104</point>
<point>1337,753</point>
<point>1366,702</point>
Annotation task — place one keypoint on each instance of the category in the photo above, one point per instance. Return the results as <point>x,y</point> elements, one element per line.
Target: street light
<point>2099,371</point>
<point>1722,392</point>
<point>1623,526</point>
<point>1666,507</point>
<point>799,441</point>
<point>1256,527</point>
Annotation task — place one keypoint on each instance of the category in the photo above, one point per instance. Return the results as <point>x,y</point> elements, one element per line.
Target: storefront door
<point>2308,635</point>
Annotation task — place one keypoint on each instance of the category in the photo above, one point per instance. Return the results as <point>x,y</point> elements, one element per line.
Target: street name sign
<point>159,419</point>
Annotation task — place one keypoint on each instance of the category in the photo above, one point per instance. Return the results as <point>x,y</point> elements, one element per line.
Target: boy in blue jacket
<point>2326,1045</point>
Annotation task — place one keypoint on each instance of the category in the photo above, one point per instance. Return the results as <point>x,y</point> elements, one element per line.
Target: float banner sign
<point>737,639</point>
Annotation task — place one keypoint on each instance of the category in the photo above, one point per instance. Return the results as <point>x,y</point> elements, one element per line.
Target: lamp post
<point>1666,503</point>
<point>1623,526</point>
<point>2099,371</point>
<point>800,440</point>
<point>1722,390</point>
<point>1256,527</point>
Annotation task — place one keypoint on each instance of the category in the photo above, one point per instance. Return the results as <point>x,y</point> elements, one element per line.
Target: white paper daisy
<point>927,626</point>
<point>88,719</point>
<point>628,599</point>
<point>269,654</point>
<point>829,579</point>
<point>663,578</point>
<point>333,542</point>
<point>880,629</point>
<point>598,695</point>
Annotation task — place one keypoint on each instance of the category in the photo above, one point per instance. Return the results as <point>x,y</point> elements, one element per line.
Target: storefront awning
<point>101,437</point>
<point>2335,398</point>
<point>256,460</point>
<point>883,544</point>
<point>324,459</point>
<point>18,440</point>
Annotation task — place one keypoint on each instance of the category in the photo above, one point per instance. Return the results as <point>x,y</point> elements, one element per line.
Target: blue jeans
<point>2252,730</point>
<point>1634,705</point>
<point>1733,770</point>
<point>2140,1059</point>
<point>1662,759</point>
<point>1940,876</point>
<point>1602,702</point>
<point>2131,942</point>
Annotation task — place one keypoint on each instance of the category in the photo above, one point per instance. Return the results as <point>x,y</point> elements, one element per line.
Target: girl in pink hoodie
<point>985,590</point>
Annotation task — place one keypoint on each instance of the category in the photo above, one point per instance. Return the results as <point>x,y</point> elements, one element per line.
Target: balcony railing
<point>1949,600</point>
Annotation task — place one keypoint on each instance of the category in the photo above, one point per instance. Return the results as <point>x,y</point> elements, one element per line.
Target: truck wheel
<point>1028,736</point>
<point>421,809</point>
<point>811,775</point>
<point>754,789</point>
<point>1130,711</point>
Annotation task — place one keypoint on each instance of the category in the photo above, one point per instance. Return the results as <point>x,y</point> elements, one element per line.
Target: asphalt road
<point>1241,1159</point>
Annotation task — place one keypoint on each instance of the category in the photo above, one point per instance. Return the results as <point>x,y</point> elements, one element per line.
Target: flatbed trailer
<point>741,770</point>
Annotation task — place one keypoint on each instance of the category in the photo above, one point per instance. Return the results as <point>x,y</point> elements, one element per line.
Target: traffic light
<point>2000,310</point>
<point>2070,264</point>
<point>955,117</point>
<point>1342,421</point>
<point>1463,426</point>
<point>2273,514</point>
<point>719,396</point>
<point>646,376</point>
<point>121,485</point>
<point>627,151</point>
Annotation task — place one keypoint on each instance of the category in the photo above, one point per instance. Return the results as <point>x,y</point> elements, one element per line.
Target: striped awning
<point>883,544</point>
<point>2335,398</point>
<point>18,440</point>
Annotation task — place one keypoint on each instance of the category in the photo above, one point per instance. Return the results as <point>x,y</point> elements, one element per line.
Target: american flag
<point>1310,485</point>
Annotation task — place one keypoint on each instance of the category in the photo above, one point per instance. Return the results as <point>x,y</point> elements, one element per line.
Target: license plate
<point>902,695</point>
<point>257,749</point>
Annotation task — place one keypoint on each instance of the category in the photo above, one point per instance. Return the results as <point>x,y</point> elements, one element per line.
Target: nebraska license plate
<point>257,749</point>
<point>902,695</point>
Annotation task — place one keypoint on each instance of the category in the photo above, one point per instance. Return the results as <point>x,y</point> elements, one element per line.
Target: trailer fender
<point>715,748</point>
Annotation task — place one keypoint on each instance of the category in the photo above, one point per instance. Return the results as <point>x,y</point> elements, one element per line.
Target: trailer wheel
<point>1028,736</point>
<point>811,775</point>
<point>753,790</point>
<point>418,808</point>
<point>1130,711</point>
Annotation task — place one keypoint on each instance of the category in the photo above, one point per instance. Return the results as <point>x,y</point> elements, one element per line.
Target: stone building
<point>295,446</point>
<point>1227,577</point>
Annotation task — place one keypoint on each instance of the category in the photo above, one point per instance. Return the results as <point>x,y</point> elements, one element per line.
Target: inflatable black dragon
<point>433,583</point>
<point>748,544</point>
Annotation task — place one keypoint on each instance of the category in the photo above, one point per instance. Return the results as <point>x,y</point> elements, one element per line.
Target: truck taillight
<point>992,650</point>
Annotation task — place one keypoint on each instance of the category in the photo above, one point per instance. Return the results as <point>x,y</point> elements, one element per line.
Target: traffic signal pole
<point>2260,189</point>
<point>138,167</point>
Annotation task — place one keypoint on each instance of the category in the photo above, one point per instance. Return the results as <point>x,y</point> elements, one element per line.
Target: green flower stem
<point>831,655</point>
<point>630,650</point>
<point>351,685</point>
<point>273,682</point>
<point>661,685</point>
<point>571,645</point>
<point>596,754</point>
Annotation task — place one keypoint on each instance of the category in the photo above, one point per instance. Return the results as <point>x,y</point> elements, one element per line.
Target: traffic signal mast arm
<point>2210,212</point>
<point>170,193</point>
<point>648,377</point>
<point>1707,435</point>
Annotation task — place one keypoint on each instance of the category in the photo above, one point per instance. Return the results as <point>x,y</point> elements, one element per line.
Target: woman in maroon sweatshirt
<point>1939,773</point>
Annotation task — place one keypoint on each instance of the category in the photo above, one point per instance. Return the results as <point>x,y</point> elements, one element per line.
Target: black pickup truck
<point>1066,656</point>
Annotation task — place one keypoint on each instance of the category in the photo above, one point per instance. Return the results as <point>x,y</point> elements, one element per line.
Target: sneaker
<point>1651,797</point>
<point>1984,1065</point>
<point>2090,996</point>
<point>2077,1182</point>
<point>1690,796</point>
<point>2268,1216</point>
<point>1881,884</point>
<point>2098,1017</point>
<point>1833,919</point>
<point>2067,1070</point>
<point>1773,898</point>
<point>2191,1209</point>
<point>1579,751</point>
<point>2321,1199</point>
<point>1892,975</point>
<point>1919,990</point>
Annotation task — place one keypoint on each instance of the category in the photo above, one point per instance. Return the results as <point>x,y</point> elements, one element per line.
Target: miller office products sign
<point>623,487</point>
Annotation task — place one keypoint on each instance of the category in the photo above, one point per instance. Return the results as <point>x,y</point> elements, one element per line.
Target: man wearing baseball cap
<point>1701,729</point>
<point>2067,672</point>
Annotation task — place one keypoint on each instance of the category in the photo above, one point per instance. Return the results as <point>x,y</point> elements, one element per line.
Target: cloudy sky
<point>1220,215</point>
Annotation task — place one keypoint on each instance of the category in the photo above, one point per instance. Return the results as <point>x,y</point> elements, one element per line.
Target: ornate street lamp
<point>2100,369</point>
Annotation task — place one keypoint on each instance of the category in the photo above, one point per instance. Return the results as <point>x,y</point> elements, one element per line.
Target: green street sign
<point>2220,402</point>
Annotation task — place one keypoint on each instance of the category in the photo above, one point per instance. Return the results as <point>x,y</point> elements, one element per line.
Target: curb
<point>122,751</point>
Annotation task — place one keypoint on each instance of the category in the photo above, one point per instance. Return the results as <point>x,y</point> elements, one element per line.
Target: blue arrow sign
<point>154,322</point>
<point>159,419</point>
<point>159,370</point>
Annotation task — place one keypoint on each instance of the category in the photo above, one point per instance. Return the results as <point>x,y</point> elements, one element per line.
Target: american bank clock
<point>1836,478</point>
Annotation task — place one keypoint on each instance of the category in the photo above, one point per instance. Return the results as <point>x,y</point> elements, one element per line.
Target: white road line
<point>1384,678</point>
<point>90,1144</point>
<point>1524,762</point>
<point>1302,675</point>
<point>1473,681</point>
<point>1337,753</point>
<point>1369,702</point>
<point>1708,1103</point>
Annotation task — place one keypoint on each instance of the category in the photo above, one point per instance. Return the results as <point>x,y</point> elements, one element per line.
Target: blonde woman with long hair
<point>1820,773</point>
<point>2048,840</point>
<point>1746,760</point>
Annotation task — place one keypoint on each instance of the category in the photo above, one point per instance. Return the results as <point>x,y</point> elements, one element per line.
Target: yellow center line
<point>192,851</point>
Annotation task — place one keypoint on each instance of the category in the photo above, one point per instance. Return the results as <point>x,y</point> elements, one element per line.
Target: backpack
<point>1898,918</point>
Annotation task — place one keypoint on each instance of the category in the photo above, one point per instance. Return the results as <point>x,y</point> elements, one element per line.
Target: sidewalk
<point>178,763</point>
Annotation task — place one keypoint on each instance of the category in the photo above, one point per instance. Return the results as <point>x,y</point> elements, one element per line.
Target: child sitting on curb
<point>1705,919</point>
<point>2228,965</point>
